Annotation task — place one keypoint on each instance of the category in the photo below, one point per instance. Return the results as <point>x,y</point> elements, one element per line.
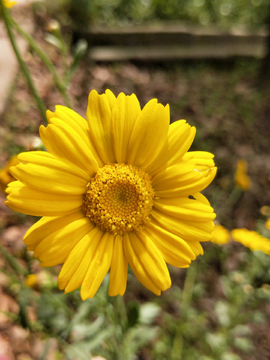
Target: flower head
<point>117,189</point>
<point>241,178</point>
<point>252,240</point>
<point>5,175</point>
<point>220,235</point>
<point>9,4</point>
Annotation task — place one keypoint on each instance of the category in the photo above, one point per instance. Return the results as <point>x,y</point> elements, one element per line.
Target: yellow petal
<point>75,267</point>
<point>50,180</point>
<point>99,266</point>
<point>54,248</point>
<point>124,114</point>
<point>187,230</point>
<point>67,144</point>
<point>146,261</point>
<point>200,197</point>
<point>185,209</point>
<point>77,123</point>
<point>119,268</point>
<point>196,247</point>
<point>46,159</point>
<point>179,140</point>
<point>83,134</point>
<point>98,115</point>
<point>175,250</point>
<point>149,134</point>
<point>28,201</point>
<point>47,226</point>
<point>183,180</point>
<point>111,98</point>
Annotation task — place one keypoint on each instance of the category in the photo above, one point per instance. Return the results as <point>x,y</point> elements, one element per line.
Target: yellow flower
<point>117,189</point>
<point>31,280</point>
<point>9,4</point>
<point>5,175</point>
<point>267,224</point>
<point>241,178</point>
<point>220,235</point>
<point>252,240</point>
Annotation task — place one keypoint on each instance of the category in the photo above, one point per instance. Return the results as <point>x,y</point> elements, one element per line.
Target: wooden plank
<point>170,41</point>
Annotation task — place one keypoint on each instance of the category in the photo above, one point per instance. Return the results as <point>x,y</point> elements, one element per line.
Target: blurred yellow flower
<point>117,189</point>
<point>267,224</point>
<point>40,280</point>
<point>220,235</point>
<point>31,280</point>
<point>241,178</point>
<point>252,240</point>
<point>9,4</point>
<point>5,175</point>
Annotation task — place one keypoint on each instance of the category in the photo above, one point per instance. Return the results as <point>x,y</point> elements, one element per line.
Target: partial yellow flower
<point>220,235</point>
<point>9,4</point>
<point>117,189</point>
<point>267,224</point>
<point>252,240</point>
<point>31,280</point>
<point>241,178</point>
<point>5,174</point>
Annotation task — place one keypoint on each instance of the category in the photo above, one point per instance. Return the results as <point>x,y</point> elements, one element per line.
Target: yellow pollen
<point>119,198</point>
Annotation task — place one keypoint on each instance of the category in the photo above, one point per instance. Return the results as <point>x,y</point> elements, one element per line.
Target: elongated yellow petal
<point>99,266</point>
<point>146,262</point>
<point>83,134</point>
<point>119,268</point>
<point>183,180</point>
<point>75,267</point>
<point>185,209</point>
<point>56,247</point>
<point>46,159</point>
<point>50,180</point>
<point>200,197</point>
<point>196,247</point>
<point>98,115</point>
<point>111,97</point>
<point>32,202</point>
<point>179,140</point>
<point>70,117</point>
<point>187,230</point>
<point>77,123</point>
<point>47,226</point>
<point>175,250</point>
<point>124,114</point>
<point>64,142</point>
<point>149,134</point>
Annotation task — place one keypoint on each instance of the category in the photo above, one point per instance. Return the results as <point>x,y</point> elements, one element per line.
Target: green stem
<point>24,68</point>
<point>18,269</point>
<point>47,62</point>
<point>230,202</point>
<point>189,284</point>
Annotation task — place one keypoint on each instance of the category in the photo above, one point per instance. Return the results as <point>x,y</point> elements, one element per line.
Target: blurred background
<point>210,61</point>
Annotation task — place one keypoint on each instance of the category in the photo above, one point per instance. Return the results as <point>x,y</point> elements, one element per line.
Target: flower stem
<point>11,260</point>
<point>189,284</point>
<point>24,68</point>
<point>46,60</point>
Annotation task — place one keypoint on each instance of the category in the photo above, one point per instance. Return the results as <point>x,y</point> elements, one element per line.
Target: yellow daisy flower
<point>220,235</point>
<point>241,178</point>
<point>117,189</point>
<point>267,224</point>
<point>252,240</point>
<point>9,4</point>
<point>5,175</point>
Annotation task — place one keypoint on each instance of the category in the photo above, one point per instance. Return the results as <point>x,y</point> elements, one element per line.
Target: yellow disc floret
<point>119,198</point>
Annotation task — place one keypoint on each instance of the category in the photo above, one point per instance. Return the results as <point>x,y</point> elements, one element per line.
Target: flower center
<point>119,198</point>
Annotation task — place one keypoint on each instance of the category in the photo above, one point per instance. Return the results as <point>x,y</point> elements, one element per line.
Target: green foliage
<point>250,13</point>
